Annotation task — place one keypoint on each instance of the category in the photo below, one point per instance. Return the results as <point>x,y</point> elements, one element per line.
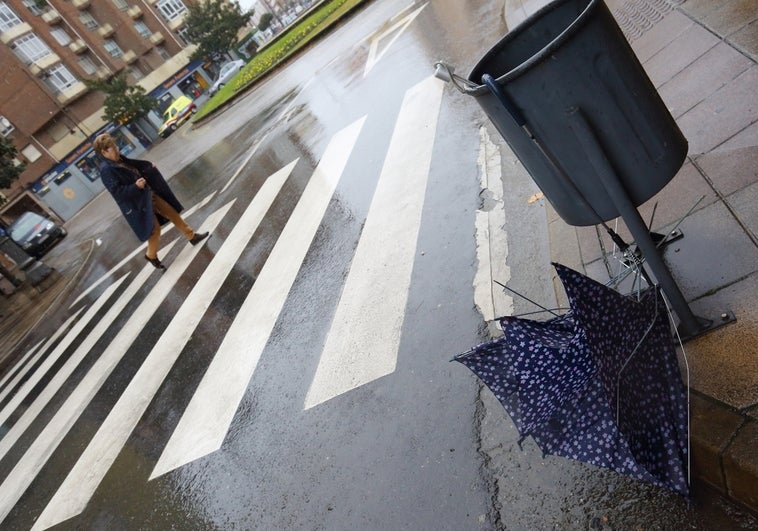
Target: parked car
<point>227,72</point>
<point>176,114</point>
<point>35,234</point>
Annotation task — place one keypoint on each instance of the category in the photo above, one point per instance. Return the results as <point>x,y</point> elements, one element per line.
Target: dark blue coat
<point>137,204</point>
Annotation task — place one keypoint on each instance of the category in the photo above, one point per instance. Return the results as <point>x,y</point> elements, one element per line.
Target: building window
<point>121,5</point>
<point>6,127</point>
<point>31,153</point>
<point>33,7</point>
<point>171,9</point>
<point>86,64</point>
<point>142,29</point>
<point>59,78</point>
<point>60,35</point>
<point>30,48</point>
<point>8,18</point>
<point>112,48</point>
<point>89,22</point>
<point>58,131</point>
<point>161,51</point>
<point>136,72</point>
<point>182,33</point>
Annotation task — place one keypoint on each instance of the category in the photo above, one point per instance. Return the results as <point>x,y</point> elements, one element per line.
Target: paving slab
<point>704,76</point>
<point>730,170</point>
<point>722,115</point>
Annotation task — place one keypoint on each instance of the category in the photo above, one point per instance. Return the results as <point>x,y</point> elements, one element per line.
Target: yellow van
<point>176,114</point>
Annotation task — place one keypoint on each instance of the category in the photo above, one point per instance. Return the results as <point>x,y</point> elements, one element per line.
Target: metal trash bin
<point>571,55</point>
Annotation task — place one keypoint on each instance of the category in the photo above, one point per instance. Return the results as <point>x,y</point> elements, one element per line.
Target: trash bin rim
<point>480,89</point>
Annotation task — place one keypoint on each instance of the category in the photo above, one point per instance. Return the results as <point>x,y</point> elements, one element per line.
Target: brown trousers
<point>167,211</point>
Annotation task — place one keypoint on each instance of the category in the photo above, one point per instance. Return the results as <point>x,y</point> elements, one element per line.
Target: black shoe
<point>156,263</point>
<point>197,238</point>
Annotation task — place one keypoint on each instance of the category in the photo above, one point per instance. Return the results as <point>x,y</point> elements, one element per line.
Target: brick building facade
<point>47,49</point>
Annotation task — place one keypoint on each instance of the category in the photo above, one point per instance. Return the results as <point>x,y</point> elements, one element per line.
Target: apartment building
<point>47,49</point>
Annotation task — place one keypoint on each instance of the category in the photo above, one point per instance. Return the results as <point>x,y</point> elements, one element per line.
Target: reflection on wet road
<point>383,264</point>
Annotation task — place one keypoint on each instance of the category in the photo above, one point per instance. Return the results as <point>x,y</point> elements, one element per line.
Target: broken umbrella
<point>600,384</point>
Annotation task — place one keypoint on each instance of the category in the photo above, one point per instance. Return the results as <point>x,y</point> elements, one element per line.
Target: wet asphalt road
<point>293,371</point>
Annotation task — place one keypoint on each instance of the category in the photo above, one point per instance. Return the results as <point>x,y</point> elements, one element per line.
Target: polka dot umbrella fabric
<point>600,384</point>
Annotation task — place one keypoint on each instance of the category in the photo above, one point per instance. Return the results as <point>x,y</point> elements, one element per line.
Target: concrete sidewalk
<point>701,56</point>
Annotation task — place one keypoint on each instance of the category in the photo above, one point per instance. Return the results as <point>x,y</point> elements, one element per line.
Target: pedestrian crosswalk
<point>368,318</point>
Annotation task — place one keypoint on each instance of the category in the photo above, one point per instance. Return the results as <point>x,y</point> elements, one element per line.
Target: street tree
<point>213,25</point>
<point>10,169</point>
<point>123,103</point>
<point>265,21</point>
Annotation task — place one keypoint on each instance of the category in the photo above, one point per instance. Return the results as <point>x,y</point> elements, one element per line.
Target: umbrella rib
<point>525,297</point>
<point>687,387</point>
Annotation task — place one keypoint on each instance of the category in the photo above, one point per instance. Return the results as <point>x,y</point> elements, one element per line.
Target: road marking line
<point>164,230</point>
<point>84,478</point>
<point>398,28</point>
<point>364,338</point>
<point>73,361</point>
<point>260,141</point>
<point>50,360</point>
<point>17,371</point>
<point>491,302</point>
<point>209,415</point>
<point>53,433</point>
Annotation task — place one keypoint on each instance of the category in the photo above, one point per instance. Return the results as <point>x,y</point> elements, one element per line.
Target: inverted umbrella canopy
<point>600,384</point>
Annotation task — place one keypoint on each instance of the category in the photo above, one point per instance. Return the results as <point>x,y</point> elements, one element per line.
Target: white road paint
<point>16,373</point>
<point>206,420</point>
<point>50,360</point>
<point>260,141</point>
<point>84,478</point>
<point>23,473</point>
<point>55,384</point>
<point>395,30</point>
<point>363,341</point>
<point>490,299</point>
<point>186,214</point>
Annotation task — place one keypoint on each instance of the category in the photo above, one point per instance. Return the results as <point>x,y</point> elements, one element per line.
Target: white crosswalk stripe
<point>38,373</point>
<point>207,419</point>
<point>91,467</point>
<point>12,376</point>
<point>365,335</point>
<point>382,263</point>
<point>68,367</point>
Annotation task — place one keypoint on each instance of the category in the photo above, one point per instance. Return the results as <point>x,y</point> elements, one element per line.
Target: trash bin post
<point>571,55</point>
<point>690,325</point>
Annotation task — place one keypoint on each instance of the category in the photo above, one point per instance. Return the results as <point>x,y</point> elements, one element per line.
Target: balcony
<point>43,64</point>
<point>52,17</point>
<point>15,32</point>
<point>74,91</point>
<point>103,73</point>
<point>78,46</point>
<point>129,57</point>
<point>81,4</point>
<point>105,31</point>
<point>157,37</point>
<point>177,22</point>
<point>135,12</point>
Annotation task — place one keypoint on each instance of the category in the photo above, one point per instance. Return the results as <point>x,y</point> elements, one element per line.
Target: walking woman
<point>143,195</point>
